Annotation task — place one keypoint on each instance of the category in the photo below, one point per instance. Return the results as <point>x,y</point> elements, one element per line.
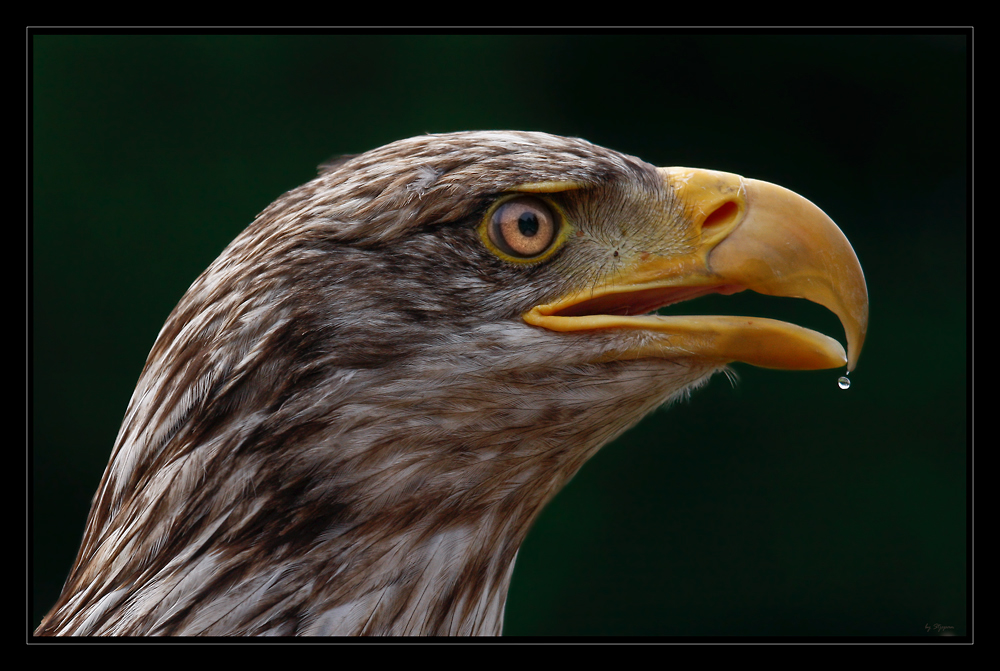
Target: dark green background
<point>781,506</point>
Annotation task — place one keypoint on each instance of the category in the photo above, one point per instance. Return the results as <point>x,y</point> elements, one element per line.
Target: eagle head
<point>351,419</point>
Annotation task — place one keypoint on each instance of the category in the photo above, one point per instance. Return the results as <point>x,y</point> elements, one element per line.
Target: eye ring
<point>523,228</point>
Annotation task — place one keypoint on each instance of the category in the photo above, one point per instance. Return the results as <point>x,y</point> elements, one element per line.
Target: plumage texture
<point>345,427</point>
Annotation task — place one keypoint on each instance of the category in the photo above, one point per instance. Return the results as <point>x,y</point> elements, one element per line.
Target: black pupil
<point>527,223</point>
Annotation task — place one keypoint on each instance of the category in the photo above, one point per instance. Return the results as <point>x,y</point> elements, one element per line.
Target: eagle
<point>352,417</point>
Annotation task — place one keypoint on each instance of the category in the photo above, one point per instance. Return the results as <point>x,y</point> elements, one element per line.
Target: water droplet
<point>843,382</point>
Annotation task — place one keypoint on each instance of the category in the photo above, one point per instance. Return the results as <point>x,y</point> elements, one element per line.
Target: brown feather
<point>345,427</point>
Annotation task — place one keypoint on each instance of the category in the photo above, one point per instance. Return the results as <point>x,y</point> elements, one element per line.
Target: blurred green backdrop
<point>781,506</point>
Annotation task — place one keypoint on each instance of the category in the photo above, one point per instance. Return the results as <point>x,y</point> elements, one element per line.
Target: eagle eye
<point>523,228</point>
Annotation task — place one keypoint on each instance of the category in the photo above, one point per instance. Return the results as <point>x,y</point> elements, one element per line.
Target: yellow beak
<point>749,235</point>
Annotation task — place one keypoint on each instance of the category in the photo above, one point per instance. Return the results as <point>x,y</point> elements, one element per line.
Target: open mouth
<point>641,301</point>
<point>770,241</point>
